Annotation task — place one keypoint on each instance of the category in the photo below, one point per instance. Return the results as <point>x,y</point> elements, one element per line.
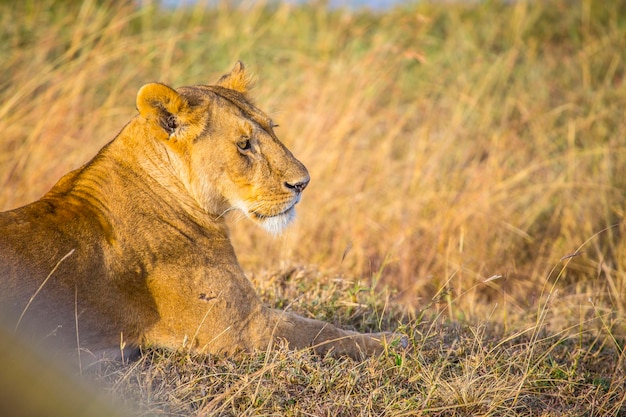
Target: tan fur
<point>132,248</point>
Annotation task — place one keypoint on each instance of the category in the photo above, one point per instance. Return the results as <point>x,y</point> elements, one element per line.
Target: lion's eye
<point>244,144</point>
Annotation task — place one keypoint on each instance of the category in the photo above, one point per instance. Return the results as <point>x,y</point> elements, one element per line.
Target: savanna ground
<point>468,167</point>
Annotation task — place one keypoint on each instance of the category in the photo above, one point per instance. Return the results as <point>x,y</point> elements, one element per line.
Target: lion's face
<point>224,149</point>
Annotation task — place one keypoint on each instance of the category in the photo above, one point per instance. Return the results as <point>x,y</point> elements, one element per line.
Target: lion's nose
<point>298,186</point>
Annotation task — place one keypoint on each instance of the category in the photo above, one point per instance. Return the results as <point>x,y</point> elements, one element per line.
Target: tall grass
<point>470,158</point>
<point>447,144</point>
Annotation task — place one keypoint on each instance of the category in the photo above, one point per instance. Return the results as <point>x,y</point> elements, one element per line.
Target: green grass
<point>468,167</point>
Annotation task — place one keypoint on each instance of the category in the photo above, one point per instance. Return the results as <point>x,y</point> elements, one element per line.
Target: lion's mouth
<point>274,223</point>
<point>262,216</point>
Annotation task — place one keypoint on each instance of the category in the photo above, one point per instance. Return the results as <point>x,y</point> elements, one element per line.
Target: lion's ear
<point>236,79</point>
<point>161,103</point>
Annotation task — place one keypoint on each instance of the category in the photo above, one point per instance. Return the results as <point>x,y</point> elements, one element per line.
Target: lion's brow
<point>239,101</point>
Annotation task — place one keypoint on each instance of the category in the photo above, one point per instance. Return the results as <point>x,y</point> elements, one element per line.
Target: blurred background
<point>465,153</point>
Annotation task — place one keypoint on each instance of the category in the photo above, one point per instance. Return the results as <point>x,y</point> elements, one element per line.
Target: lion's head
<point>224,149</point>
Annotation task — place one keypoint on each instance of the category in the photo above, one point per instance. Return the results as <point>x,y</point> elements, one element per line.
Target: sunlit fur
<point>133,248</point>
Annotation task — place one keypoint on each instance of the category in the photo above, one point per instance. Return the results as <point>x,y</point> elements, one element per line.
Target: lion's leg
<point>301,333</point>
<point>223,330</point>
<point>224,315</point>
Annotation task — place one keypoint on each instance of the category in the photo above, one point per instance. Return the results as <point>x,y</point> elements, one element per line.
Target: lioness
<point>132,248</point>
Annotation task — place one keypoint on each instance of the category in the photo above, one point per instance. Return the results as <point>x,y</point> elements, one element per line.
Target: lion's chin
<point>275,224</point>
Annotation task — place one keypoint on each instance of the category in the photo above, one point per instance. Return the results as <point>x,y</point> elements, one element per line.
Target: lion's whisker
<point>226,211</point>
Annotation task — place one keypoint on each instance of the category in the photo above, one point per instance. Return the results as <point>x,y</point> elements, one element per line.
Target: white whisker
<point>225,211</point>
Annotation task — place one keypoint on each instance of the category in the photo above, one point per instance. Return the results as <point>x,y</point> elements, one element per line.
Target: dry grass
<point>468,171</point>
<point>451,369</point>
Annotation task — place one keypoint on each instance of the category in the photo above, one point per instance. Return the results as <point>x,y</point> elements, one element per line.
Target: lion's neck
<point>170,170</point>
<point>152,186</point>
